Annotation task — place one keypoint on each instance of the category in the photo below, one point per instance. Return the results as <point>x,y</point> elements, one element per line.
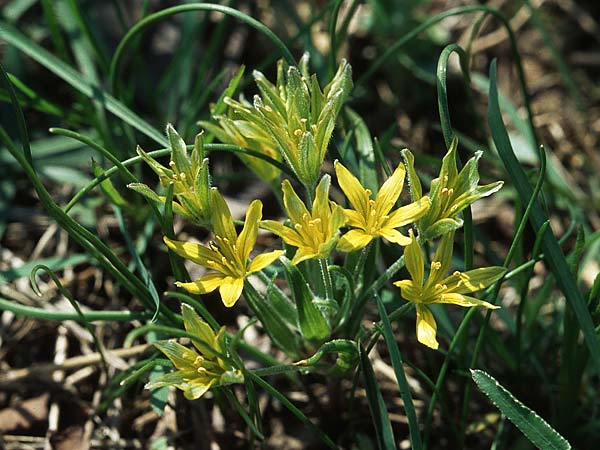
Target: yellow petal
<point>197,388</point>
<point>394,236</point>
<point>230,290</point>
<point>354,191</point>
<point>304,253</point>
<point>295,208</point>
<point>409,291</point>
<point>443,256</point>
<point>207,283</point>
<point>390,191</point>
<point>179,379</point>
<point>194,252</point>
<point>354,219</point>
<point>408,214</point>
<point>337,218</point>
<point>289,236</point>
<point>473,280</point>
<point>221,217</point>
<point>413,258</point>
<point>263,260</point>
<point>247,238</point>
<point>463,300</point>
<point>353,240</point>
<point>320,207</point>
<point>426,327</point>
<point>182,357</point>
<point>198,327</point>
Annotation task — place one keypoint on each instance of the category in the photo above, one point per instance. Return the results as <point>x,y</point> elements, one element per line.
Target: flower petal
<point>204,285</point>
<point>354,219</point>
<point>289,236</point>
<point>442,261</point>
<point>474,280</point>
<point>182,357</point>
<point>230,290</point>
<point>321,207</point>
<point>463,300</point>
<point>194,252</point>
<point>195,325</point>
<point>263,260</point>
<point>197,388</point>
<point>394,236</point>
<point>295,208</point>
<point>390,191</point>
<point>408,214</point>
<point>354,191</point>
<point>426,327</point>
<point>179,379</point>
<point>247,238</point>
<point>354,240</point>
<point>413,258</point>
<point>221,217</point>
<point>409,291</point>
<point>303,253</point>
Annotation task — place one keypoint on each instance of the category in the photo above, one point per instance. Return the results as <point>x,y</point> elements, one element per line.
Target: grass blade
<point>381,419</point>
<point>75,79</point>
<point>396,357</point>
<point>536,429</point>
<point>554,256</point>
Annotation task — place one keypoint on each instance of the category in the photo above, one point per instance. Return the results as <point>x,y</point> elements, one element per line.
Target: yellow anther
<point>436,265</point>
<point>298,132</point>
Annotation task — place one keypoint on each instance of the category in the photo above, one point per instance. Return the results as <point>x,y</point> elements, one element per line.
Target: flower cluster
<point>293,121</point>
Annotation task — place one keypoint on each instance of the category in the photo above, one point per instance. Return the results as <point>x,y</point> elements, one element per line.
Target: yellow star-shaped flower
<point>440,288</point>
<point>314,233</point>
<point>228,254</point>
<point>372,218</point>
<point>196,373</point>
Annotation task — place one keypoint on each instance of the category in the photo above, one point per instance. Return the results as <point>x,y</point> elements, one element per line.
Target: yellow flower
<point>297,114</point>
<point>314,233</point>
<point>227,254</point>
<point>450,193</point>
<point>440,288</point>
<point>372,218</point>
<point>196,373</point>
<point>187,173</point>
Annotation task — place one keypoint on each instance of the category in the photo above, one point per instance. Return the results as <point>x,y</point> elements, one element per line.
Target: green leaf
<point>13,37</point>
<point>396,357</point>
<point>365,152</point>
<point>107,187</point>
<point>536,429</point>
<point>158,397</point>
<point>274,325</point>
<point>381,419</point>
<point>55,264</point>
<point>554,257</point>
<point>312,324</point>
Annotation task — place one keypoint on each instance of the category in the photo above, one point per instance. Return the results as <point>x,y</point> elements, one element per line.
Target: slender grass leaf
<point>396,357</point>
<point>553,254</point>
<point>381,419</point>
<point>536,429</point>
<point>14,37</point>
<point>313,325</point>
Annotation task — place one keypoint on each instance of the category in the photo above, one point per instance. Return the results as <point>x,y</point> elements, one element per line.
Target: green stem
<point>146,21</point>
<point>90,316</point>
<point>356,314</point>
<point>326,280</point>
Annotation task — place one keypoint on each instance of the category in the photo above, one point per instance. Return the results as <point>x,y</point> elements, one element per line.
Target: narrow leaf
<point>554,257</point>
<point>381,419</point>
<point>536,429</point>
